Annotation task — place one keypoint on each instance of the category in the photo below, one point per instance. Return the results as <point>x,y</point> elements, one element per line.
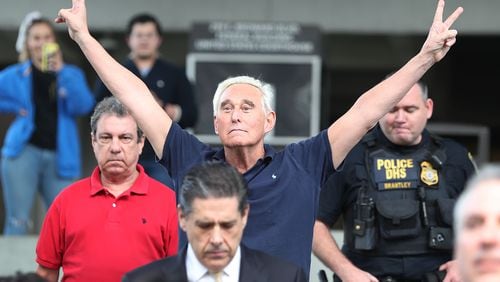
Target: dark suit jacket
<point>255,266</point>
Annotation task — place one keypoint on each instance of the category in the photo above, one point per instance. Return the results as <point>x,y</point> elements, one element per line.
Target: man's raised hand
<point>75,18</point>
<point>440,37</point>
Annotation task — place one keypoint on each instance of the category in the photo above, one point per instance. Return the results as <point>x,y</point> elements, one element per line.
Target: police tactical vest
<point>403,206</point>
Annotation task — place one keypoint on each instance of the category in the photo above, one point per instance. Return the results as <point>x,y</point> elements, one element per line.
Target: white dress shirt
<point>196,272</point>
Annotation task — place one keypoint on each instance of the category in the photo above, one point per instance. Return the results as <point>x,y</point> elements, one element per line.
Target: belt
<point>393,279</point>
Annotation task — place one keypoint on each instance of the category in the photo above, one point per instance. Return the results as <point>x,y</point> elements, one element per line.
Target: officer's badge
<point>428,175</point>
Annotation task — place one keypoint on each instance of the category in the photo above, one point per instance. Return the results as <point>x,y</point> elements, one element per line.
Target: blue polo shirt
<point>283,190</point>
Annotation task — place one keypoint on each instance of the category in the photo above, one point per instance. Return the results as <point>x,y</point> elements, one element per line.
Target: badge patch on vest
<point>395,173</point>
<point>428,175</point>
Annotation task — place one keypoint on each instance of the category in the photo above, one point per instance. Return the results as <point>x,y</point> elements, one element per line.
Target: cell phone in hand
<point>48,51</point>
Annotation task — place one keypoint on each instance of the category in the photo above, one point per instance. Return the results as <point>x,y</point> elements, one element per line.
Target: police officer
<point>396,193</point>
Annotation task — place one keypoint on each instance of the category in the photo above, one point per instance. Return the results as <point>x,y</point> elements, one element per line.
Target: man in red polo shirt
<point>117,219</point>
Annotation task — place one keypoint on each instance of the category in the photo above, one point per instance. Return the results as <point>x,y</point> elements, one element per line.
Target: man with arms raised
<point>283,185</point>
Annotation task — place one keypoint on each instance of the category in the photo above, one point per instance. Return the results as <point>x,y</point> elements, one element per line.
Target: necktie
<point>217,276</point>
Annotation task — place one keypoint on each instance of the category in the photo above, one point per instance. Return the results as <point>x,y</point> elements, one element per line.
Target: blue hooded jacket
<point>74,99</point>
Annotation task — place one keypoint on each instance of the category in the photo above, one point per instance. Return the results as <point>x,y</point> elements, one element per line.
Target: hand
<point>452,273</point>
<point>55,61</point>
<point>23,112</point>
<point>440,37</point>
<point>354,274</point>
<point>75,18</point>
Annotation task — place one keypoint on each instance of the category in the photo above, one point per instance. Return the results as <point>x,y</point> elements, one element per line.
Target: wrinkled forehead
<point>241,93</point>
<point>241,89</point>
<point>110,121</point>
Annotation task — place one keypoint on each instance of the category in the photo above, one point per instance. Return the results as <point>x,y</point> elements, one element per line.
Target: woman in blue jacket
<point>41,150</point>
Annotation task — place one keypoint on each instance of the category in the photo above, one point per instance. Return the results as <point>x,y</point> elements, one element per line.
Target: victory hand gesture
<point>75,18</point>
<point>440,37</point>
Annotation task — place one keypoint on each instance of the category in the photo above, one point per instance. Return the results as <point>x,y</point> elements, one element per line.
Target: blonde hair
<point>23,52</point>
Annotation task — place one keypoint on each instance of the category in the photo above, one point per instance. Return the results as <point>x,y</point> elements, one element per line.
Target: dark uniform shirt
<point>283,190</point>
<point>339,196</point>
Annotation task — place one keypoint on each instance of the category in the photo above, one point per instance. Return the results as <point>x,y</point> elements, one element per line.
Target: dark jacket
<point>255,266</point>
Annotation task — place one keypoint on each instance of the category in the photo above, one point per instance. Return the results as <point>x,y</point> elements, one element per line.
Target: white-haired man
<point>283,185</point>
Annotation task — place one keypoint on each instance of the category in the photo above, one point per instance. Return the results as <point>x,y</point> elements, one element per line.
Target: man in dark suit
<point>213,211</point>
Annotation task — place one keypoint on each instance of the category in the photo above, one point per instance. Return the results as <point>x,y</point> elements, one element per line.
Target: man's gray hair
<point>110,105</point>
<point>486,173</point>
<point>266,89</point>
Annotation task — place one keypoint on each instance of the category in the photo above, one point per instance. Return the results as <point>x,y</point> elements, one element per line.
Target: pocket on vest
<point>398,218</point>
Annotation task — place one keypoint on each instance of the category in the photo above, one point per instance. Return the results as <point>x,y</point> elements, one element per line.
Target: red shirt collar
<point>140,186</point>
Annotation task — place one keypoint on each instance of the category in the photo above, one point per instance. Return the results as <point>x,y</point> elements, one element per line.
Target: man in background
<point>168,84</point>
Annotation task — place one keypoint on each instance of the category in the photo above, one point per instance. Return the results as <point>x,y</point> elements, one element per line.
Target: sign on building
<point>286,55</point>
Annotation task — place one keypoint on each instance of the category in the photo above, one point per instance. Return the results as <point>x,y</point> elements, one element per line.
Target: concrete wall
<point>356,16</point>
<point>18,254</point>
